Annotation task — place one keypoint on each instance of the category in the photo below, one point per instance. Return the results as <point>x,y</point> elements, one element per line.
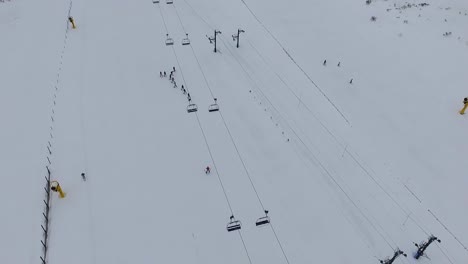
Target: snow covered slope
<point>349,172</point>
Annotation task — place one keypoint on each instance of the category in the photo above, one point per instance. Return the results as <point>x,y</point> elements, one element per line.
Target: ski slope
<point>349,172</point>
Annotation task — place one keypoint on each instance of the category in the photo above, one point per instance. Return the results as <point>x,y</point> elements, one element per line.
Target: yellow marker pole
<point>60,191</point>
<point>462,112</point>
<point>72,21</point>
<point>465,101</point>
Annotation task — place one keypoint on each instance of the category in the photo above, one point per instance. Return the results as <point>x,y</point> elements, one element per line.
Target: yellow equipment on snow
<point>55,186</point>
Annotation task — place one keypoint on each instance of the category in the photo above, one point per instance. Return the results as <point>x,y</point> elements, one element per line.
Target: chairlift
<point>186,40</point>
<point>263,220</point>
<point>214,107</point>
<point>155,1</point>
<point>192,108</point>
<point>233,224</point>
<point>169,2</point>
<point>169,41</point>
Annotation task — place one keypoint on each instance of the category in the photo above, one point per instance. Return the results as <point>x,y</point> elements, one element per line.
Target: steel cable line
<point>304,144</point>
<point>237,151</point>
<point>322,124</point>
<point>208,146</point>
<point>327,173</point>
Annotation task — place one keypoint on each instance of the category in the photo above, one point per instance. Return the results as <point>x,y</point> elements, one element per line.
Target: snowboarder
<point>164,74</point>
<point>160,75</point>
<point>83,176</point>
<point>465,102</point>
<point>325,63</point>
<point>207,170</point>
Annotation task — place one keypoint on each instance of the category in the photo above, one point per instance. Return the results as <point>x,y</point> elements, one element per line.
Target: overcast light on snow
<point>338,118</point>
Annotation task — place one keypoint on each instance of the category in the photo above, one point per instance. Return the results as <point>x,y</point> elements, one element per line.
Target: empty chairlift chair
<point>186,40</point>
<point>233,224</point>
<point>192,108</point>
<point>169,41</point>
<point>169,2</point>
<point>214,107</point>
<point>155,1</point>
<point>263,220</point>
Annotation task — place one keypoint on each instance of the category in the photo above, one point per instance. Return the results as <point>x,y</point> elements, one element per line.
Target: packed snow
<point>339,118</point>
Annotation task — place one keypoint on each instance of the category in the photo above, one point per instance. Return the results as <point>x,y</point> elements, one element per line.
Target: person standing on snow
<point>207,170</point>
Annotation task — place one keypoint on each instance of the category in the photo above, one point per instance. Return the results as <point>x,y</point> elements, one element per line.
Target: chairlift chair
<point>186,40</point>
<point>263,220</point>
<point>155,1</point>
<point>169,2</point>
<point>214,107</point>
<point>169,41</point>
<point>192,108</point>
<point>233,225</point>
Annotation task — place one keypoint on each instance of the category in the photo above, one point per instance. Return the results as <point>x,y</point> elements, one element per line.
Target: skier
<point>175,85</point>
<point>183,91</point>
<point>207,170</point>
<point>164,74</point>
<point>160,75</point>
<point>173,69</point>
<point>83,176</point>
<point>351,81</point>
<point>325,63</point>
<point>339,63</point>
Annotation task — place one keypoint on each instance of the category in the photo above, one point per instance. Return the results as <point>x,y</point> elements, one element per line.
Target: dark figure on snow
<point>183,91</point>
<point>83,176</point>
<point>207,170</point>
<point>164,74</point>
<point>160,75</point>
<point>325,63</point>
<point>339,64</point>
<point>173,69</point>
<point>351,81</point>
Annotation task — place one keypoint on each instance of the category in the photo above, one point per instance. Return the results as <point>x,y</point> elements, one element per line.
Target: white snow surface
<point>348,172</point>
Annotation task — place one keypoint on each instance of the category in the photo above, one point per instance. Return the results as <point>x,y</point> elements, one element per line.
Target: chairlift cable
<point>180,20</point>
<point>164,21</point>
<point>363,168</point>
<point>324,170</point>
<point>208,146</point>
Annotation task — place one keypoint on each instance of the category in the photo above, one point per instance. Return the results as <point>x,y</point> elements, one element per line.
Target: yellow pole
<point>72,21</point>
<point>61,193</point>
<point>465,101</point>
<point>462,112</point>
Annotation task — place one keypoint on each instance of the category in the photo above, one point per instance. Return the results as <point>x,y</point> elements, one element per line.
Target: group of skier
<point>163,74</point>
